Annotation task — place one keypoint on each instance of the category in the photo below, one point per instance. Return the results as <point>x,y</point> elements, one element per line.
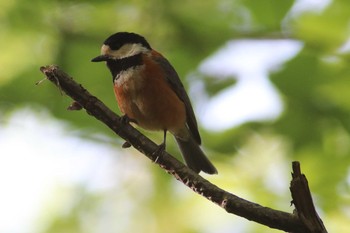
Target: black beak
<point>100,58</point>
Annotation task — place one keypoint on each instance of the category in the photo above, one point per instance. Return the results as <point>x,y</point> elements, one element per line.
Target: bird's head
<point>122,45</point>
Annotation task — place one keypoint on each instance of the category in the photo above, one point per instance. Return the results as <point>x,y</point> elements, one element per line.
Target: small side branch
<point>230,202</point>
<point>303,203</point>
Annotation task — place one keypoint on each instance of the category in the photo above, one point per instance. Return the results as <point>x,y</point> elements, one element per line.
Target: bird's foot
<point>159,151</point>
<point>126,120</point>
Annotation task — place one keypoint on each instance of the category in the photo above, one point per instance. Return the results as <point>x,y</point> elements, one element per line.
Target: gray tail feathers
<point>195,157</point>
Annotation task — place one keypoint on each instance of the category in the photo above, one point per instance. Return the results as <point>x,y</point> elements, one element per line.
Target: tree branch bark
<point>228,201</point>
<point>303,203</point>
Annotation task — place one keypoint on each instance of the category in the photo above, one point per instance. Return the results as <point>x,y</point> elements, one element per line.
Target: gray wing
<point>176,84</point>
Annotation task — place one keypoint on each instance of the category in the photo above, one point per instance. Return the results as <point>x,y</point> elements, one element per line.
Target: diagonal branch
<point>231,203</point>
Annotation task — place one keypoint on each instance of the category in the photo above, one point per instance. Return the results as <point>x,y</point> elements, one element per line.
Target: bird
<point>150,94</point>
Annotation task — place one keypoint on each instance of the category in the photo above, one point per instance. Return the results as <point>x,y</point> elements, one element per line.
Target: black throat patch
<point>119,65</point>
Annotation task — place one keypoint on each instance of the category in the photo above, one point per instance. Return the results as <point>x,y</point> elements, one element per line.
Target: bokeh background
<point>269,80</point>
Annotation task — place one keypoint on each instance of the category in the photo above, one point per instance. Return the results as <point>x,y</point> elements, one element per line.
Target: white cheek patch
<point>136,49</point>
<point>126,50</point>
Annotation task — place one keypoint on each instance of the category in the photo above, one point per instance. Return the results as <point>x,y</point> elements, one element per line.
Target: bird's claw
<point>126,120</point>
<point>159,151</point>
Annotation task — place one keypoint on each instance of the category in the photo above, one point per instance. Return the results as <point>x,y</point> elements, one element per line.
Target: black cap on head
<point>119,39</point>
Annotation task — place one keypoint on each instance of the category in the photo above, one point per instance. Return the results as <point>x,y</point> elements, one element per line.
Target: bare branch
<point>303,203</point>
<point>231,203</point>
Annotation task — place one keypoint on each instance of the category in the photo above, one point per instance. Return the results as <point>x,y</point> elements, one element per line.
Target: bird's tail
<point>195,157</point>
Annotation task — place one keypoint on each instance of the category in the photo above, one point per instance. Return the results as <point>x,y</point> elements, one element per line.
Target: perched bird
<point>149,92</point>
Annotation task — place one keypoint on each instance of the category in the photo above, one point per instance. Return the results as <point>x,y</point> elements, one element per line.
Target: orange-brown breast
<point>149,99</point>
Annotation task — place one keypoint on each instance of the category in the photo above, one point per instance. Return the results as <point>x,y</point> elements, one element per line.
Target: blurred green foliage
<point>315,86</point>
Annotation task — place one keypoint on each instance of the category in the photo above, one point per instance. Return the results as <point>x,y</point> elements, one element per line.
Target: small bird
<point>149,92</point>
